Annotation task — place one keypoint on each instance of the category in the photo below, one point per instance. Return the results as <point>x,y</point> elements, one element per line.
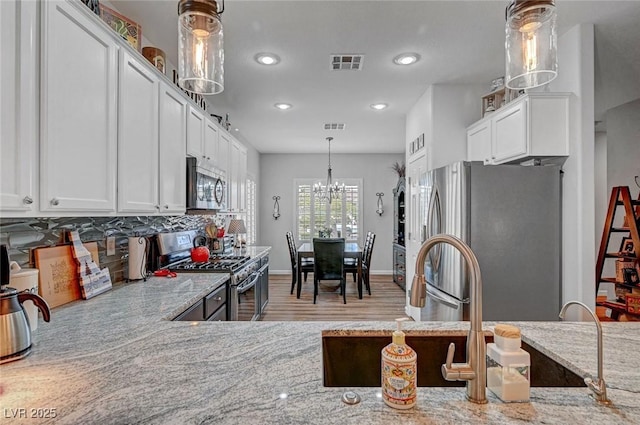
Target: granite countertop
<point>117,359</point>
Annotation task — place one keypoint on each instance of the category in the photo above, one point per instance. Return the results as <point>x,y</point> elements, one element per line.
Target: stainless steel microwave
<point>206,191</point>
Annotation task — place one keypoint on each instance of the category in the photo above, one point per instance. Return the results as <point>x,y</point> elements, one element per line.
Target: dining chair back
<point>351,264</point>
<point>366,261</point>
<point>306,266</point>
<point>328,254</point>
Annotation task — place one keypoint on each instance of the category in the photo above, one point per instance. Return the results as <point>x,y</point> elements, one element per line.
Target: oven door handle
<point>248,284</point>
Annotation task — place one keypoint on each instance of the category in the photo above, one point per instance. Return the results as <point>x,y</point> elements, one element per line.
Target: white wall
<point>277,172</point>
<point>443,114</point>
<point>623,146</point>
<point>576,75</point>
<point>617,162</point>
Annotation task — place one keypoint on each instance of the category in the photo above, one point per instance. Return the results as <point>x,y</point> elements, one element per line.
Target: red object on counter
<point>200,254</point>
<point>164,272</point>
<point>220,232</point>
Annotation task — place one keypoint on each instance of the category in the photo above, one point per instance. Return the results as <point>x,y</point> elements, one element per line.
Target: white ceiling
<point>459,41</point>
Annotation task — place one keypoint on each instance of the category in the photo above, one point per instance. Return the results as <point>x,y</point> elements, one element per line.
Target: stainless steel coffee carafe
<point>15,333</point>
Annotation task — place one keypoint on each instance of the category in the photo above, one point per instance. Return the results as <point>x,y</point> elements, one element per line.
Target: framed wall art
<point>129,30</point>
<point>626,247</point>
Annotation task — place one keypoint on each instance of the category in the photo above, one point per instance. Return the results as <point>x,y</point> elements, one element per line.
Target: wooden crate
<point>633,303</point>
<point>498,98</point>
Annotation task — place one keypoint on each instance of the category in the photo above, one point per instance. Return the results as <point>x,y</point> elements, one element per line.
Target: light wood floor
<point>386,302</point>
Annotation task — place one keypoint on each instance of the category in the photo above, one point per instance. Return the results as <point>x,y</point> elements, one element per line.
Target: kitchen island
<point>118,358</point>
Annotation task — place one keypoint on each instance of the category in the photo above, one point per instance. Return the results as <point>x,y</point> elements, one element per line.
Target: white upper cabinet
<point>224,153</point>
<point>534,126</point>
<point>78,112</point>
<point>238,177</point>
<point>173,135</point>
<point>510,134</point>
<point>18,107</point>
<point>137,137</point>
<point>479,142</point>
<point>195,134</point>
<point>211,132</point>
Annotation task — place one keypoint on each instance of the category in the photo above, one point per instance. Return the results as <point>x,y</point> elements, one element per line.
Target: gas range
<point>217,263</point>
<point>243,300</point>
<point>174,251</point>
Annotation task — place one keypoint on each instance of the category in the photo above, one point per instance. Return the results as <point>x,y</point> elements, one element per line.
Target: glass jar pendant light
<point>200,46</point>
<point>531,47</point>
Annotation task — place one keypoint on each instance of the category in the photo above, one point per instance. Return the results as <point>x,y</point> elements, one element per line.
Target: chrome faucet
<point>475,370</point>
<point>599,387</point>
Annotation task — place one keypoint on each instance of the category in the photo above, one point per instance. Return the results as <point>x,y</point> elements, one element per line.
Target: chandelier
<point>331,190</point>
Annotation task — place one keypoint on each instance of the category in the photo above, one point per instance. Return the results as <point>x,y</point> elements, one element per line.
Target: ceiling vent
<point>347,62</point>
<point>334,126</point>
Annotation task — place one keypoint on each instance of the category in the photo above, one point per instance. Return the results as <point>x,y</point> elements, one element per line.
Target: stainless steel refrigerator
<point>510,217</point>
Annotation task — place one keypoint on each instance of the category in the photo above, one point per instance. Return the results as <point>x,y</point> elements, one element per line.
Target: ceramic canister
<point>155,56</point>
<point>26,279</point>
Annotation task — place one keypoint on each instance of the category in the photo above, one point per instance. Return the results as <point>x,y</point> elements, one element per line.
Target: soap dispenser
<point>399,372</point>
<point>508,365</point>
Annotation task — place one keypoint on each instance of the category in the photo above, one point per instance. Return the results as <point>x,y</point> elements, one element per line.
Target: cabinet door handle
<point>166,207</point>
<point>217,299</point>
<point>55,202</point>
<point>157,207</point>
<point>27,200</point>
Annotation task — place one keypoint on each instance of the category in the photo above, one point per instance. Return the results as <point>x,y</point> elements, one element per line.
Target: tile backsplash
<point>23,234</point>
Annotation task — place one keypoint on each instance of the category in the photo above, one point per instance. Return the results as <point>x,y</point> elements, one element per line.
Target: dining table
<point>351,250</point>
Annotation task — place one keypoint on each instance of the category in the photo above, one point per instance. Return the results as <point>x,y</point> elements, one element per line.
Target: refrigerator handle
<point>431,293</point>
<point>434,208</point>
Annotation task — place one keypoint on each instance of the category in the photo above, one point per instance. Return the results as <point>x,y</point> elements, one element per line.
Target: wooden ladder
<point>620,196</point>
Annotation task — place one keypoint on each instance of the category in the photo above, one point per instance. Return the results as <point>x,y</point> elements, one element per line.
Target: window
<point>252,212</point>
<point>343,217</point>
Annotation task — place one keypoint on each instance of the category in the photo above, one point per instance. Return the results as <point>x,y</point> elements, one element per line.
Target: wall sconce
<point>276,207</point>
<point>200,46</point>
<point>380,210</point>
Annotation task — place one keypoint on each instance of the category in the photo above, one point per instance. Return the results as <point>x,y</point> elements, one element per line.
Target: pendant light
<point>331,190</point>
<point>531,47</point>
<point>200,46</point>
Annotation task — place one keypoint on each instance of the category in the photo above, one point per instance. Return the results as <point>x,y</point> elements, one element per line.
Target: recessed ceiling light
<point>267,58</point>
<point>406,58</point>
<point>283,106</point>
<point>236,129</point>
<point>379,106</point>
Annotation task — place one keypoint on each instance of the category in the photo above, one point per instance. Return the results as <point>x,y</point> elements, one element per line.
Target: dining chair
<point>306,264</point>
<point>351,264</point>
<point>366,261</point>
<point>328,254</point>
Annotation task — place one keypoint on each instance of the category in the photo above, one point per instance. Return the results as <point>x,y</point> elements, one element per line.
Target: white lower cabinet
<point>173,134</point>
<point>534,126</point>
<point>78,112</point>
<point>137,137</point>
<point>18,107</point>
